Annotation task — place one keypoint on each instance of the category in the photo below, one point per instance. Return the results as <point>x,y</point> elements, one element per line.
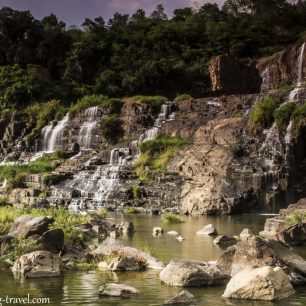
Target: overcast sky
<point>73,12</point>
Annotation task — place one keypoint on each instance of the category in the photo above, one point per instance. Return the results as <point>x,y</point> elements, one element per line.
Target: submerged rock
<point>26,226</point>
<point>191,273</point>
<point>225,240</point>
<point>38,264</point>
<point>124,263</point>
<point>117,290</point>
<point>265,283</point>
<point>208,230</point>
<point>254,252</point>
<point>183,298</point>
<point>157,231</point>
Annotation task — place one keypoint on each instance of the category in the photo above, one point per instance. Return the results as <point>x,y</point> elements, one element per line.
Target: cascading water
<point>53,137</point>
<point>86,134</point>
<point>91,189</point>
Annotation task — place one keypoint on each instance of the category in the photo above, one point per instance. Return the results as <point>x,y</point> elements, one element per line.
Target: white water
<point>86,134</point>
<point>52,137</point>
<point>295,94</point>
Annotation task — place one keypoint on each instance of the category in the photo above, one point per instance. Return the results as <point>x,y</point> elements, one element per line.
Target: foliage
<point>111,129</point>
<point>101,213</point>
<point>283,114</point>
<point>262,113</point>
<point>136,192</point>
<point>131,210</point>
<point>172,218</point>
<point>296,217</point>
<point>299,118</point>
<point>3,200</point>
<point>154,101</point>
<point>155,154</point>
<point>87,266</point>
<point>182,97</point>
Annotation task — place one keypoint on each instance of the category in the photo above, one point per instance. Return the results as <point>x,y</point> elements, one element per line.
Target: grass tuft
<point>172,218</point>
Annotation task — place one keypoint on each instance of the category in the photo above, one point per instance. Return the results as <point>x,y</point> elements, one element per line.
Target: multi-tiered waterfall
<point>98,185</point>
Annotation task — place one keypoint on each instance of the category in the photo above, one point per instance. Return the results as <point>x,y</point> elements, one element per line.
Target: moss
<point>262,113</point>
<point>283,114</point>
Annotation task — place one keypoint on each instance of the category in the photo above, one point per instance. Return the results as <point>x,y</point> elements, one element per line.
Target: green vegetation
<point>299,118</point>
<point>182,97</point>
<point>15,174</point>
<point>172,218</point>
<point>3,200</point>
<point>154,101</point>
<point>136,192</point>
<point>283,114</point>
<point>296,217</point>
<point>101,213</point>
<point>131,210</point>
<point>261,115</point>
<point>155,154</point>
<point>111,129</point>
<point>88,266</point>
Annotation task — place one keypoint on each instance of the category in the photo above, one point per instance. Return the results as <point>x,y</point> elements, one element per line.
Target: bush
<point>283,114</point>
<point>172,218</point>
<point>182,97</point>
<point>155,154</point>
<point>111,129</point>
<point>262,113</point>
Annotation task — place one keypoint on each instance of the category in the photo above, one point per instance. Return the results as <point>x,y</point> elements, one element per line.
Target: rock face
<point>38,264</point>
<point>26,226</point>
<point>188,273</point>
<point>207,230</point>
<point>229,76</point>
<point>264,283</point>
<point>183,298</point>
<point>129,252</point>
<point>255,252</point>
<point>117,290</point>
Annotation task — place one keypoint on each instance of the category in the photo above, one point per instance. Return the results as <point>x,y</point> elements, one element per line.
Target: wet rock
<point>183,298</point>
<point>103,265</point>
<point>245,233</point>
<point>190,273</point>
<point>72,255</point>
<point>157,231</point>
<point>53,240</point>
<point>38,264</point>
<point>180,238</point>
<point>207,230</point>
<point>265,283</point>
<point>273,226</point>
<point>124,263</point>
<point>117,290</point>
<point>114,249</point>
<point>26,226</point>
<point>225,240</point>
<point>172,233</point>
<point>126,228</point>
<point>254,252</point>
<point>114,234</point>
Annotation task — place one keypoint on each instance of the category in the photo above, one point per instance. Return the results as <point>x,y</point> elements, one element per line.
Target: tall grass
<point>172,218</point>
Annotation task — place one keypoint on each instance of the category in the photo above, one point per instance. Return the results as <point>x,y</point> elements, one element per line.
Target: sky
<point>73,12</point>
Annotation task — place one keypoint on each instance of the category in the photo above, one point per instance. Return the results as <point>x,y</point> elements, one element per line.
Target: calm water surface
<point>81,288</point>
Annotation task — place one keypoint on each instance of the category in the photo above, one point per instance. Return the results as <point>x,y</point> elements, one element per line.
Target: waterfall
<point>85,137</point>
<point>295,94</point>
<point>52,137</point>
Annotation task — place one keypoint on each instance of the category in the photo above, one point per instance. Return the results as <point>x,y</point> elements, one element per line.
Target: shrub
<point>283,114</point>
<point>299,118</point>
<point>182,97</point>
<point>262,113</point>
<point>172,218</point>
<point>296,217</point>
<point>111,129</point>
<point>136,192</point>
<point>101,213</point>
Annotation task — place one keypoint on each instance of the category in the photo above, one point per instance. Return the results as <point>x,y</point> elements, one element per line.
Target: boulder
<point>191,273</point>
<point>265,283</point>
<point>126,228</point>
<point>225,240</point>
<point>26,226</point>
<point>123,263</point>
<point>245,233</point>
<point>126,251</point>
<point>52,240</point>
<point>207,230</point>
<point>117,290</point>
<point>255,252</point>
<point>38,264</point>
<point>72,255</point>
<point>183,298</point>
<point>157,231</point>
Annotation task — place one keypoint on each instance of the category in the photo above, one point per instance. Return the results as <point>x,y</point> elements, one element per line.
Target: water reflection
<point>81,288</point>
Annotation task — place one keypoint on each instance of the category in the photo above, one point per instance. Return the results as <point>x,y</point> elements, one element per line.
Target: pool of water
<point>81,288</point>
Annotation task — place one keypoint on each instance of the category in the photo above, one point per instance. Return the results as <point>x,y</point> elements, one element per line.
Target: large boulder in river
<point>207,230</point>
<point>38,264</point>
<point>264,283</point>
<point>255,252</point>
<point>27,225</point>
<point>191,273</point>
<point>126,251</point>
<point>117,290</point>
<point>183,298</point>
